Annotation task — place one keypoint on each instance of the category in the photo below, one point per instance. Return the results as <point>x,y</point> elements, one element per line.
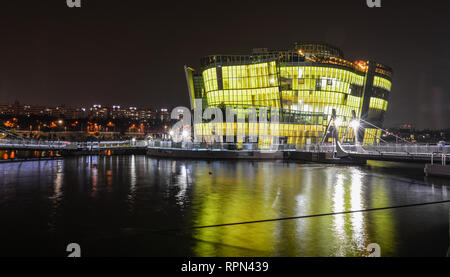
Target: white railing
<point>406,148</point>
<point>19,143</point>
<point>381,149</point>
<point>442,156</point>
<point>90,145</point>
<point>219,146</point>
<point>400,149</point>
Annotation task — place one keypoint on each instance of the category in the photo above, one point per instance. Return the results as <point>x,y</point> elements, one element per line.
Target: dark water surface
<point>127,206</point>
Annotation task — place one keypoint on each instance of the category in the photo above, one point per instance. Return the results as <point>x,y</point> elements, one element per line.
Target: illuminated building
<point>306,83</point>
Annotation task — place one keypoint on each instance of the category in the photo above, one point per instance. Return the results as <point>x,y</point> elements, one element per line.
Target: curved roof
<point>319,48</point>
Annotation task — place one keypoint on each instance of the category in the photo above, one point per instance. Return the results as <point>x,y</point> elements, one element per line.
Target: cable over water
<point>305,216</point>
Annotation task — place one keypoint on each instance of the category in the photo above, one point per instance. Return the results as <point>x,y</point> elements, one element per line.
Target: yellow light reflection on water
<point>256,191</point>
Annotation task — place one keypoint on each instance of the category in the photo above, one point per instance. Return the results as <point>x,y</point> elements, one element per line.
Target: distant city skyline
<point>76,112</point>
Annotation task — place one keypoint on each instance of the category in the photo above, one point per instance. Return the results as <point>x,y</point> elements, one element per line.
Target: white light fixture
<point>337,122</point>
<point>354,124</point>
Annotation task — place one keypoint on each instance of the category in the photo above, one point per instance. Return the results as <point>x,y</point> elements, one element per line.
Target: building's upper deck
<point>302,54</point>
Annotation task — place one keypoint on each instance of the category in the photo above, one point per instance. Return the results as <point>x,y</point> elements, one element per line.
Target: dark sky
<point>133,52</point>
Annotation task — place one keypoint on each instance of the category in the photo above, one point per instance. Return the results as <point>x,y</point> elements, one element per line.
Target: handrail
<point>68,145</point>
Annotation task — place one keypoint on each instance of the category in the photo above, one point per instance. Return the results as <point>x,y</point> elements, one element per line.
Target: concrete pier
<point>214,154</point>
<point>323,157</point>
<point>437,170</point>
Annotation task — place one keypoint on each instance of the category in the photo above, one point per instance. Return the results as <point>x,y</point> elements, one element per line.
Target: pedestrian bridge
<point>23,144</point>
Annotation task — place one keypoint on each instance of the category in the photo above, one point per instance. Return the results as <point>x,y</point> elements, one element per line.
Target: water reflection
<point>339,206</point>
<point>126,198</point>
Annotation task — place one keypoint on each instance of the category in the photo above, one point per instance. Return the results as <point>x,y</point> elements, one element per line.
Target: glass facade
<point>306,83</point>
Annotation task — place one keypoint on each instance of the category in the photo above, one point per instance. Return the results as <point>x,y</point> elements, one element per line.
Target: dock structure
<point>437,170</point>
<point>440,170</point>
<point>207,154</point>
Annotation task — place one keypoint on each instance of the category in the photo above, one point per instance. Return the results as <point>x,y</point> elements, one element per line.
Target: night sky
<point>133,52</point>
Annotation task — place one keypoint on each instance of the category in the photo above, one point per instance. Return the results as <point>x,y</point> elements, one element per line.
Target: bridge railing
<point>44,144</point>
<point>111,144</point>
<point>406,149</point>
<point>22,143</point>
<point>402,148</point>
<point>219,146</point>
<point>316,148</point>
<point>237,146</point>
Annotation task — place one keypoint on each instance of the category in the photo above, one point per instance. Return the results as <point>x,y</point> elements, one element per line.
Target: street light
<point>185,134</point>
<point>354,124</point>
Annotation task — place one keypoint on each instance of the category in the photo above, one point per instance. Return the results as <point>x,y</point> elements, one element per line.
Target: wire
<point>304,216</point>
<point>386,131</point>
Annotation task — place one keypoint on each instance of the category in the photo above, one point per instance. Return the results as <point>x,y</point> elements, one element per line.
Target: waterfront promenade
<point>420,153</point>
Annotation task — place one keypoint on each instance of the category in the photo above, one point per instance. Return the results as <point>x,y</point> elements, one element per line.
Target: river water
<point>140,206</point>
